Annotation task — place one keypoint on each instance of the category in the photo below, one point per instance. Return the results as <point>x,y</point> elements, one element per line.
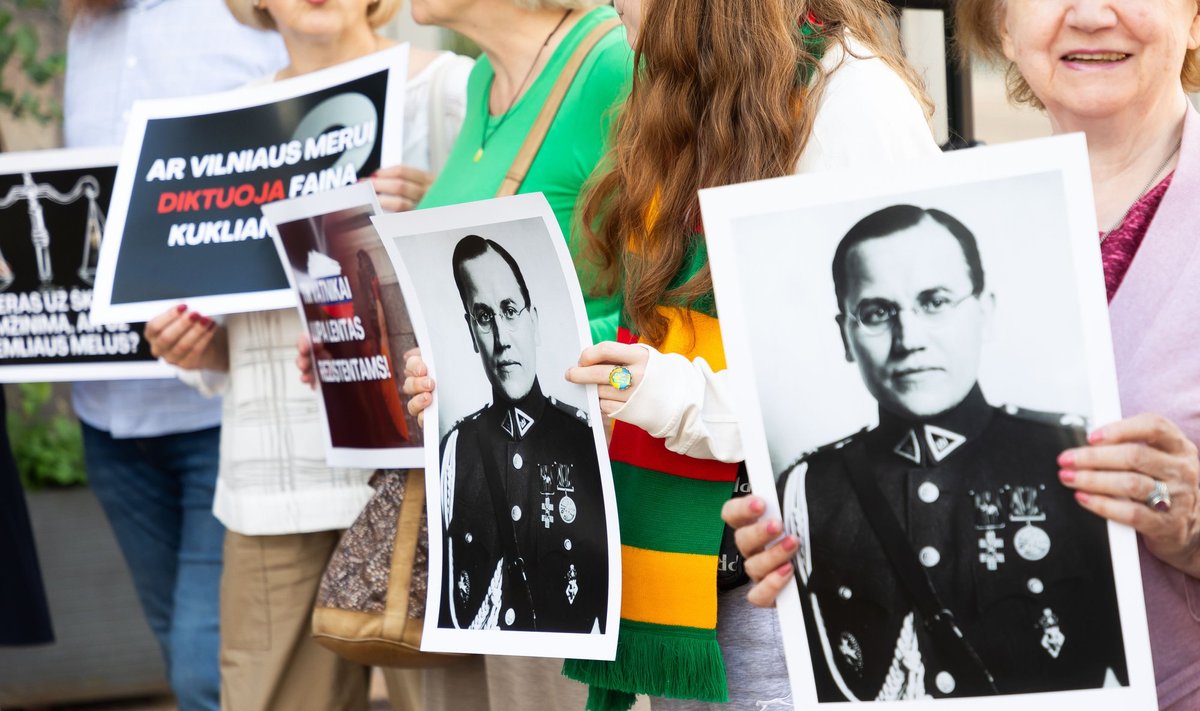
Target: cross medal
<point>989,518</point>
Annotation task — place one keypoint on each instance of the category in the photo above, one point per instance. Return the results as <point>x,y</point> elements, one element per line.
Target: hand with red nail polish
<point>188,340</point>
<point>766,560</point>
<point>1116,475</point>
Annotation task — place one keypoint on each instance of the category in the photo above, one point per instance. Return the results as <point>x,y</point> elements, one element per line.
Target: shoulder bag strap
<point>537,134</point>
<point>439,147</point>
<point>937,618</point>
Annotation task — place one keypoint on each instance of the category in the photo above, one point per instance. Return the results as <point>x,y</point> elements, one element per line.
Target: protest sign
<point>186,223</point>
<point>914,347</point>
<point>354,313</point>
<point>52,213</point>
<point>524,548</point>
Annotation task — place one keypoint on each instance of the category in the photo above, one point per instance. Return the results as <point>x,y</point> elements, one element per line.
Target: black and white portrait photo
<point>525,548</point>
<point>917,353</point>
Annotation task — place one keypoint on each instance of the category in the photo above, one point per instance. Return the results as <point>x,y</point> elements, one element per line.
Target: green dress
<point>575,143</point>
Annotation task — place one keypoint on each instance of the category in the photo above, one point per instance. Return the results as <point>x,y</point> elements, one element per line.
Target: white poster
<point>53,206</point>
<point>915,346</point>
<point>524,549</point>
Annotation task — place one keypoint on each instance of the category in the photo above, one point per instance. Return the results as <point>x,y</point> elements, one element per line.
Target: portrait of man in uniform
<point>939,556</point>
<point>523,518</point>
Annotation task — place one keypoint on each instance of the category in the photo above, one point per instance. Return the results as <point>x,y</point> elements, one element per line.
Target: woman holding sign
<point>284,508</point>
<point>770,89</point>
<point>1118,71</point>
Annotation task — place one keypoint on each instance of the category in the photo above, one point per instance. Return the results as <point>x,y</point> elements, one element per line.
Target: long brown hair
<point>720,97</point>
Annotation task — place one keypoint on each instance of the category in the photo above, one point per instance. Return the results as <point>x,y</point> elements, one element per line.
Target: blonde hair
<point>247,12</point>
<point>978,34</point>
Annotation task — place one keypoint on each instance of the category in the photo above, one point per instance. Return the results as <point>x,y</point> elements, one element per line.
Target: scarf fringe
<point>609,700</point>
<point>656,664</point>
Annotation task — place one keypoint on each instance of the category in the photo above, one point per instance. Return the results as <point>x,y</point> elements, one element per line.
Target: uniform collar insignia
<point>516,422</point>
<point>939,443</point>
<point>909,448</point>
<point>517,418</point>
<point>930,443</point>
<point>942,442</point>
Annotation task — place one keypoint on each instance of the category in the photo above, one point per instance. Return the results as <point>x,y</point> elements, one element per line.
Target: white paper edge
<point>301,208</point>
<point>506,642</point>
<point>1064,154</point>
<point>391,131</point>
<point>75,372</point>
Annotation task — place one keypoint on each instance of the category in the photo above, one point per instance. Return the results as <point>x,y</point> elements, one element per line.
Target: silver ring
<point>1160,498</point>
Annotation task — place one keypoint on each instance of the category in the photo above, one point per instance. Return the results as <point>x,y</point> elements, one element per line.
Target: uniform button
<point>945,682</point>
<point>567,543</point>
<point>930,556</point>
<point>468,537</point>
<point>516,513</point>
<point>510,617</point>
<point>845,593</point>
<point>517,461</point>
<point>928,492</point>
<point>1035,586</point>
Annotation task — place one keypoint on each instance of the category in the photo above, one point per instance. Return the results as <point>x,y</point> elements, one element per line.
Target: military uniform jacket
<point>543,453</point>
<point>1023,568</point>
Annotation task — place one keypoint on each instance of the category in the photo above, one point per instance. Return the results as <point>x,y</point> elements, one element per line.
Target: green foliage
<point>20,46</point>
<point>46,440</point>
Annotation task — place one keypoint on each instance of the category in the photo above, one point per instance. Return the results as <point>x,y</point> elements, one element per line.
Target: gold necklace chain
<point>485,134</point>
<point>1149,184</point>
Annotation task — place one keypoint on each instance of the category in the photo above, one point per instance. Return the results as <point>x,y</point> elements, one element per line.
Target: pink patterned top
<point>1122,244</point>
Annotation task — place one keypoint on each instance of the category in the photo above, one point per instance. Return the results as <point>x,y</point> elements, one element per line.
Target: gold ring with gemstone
<point>620,378</point>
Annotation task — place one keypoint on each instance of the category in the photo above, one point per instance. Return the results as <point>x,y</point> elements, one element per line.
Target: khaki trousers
<point>269,661</point>
<point>502,684</point>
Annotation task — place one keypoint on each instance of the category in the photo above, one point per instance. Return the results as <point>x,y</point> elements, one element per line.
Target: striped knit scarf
<point>670,512</point>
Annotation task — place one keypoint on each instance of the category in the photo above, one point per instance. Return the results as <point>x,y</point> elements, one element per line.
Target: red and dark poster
<point>357,322</point>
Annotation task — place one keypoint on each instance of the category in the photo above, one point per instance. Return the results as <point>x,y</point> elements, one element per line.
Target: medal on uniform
<point>463,587</point>
<point>1031,542</point>
<point>544,471</point>
<point>989,550</point>
<point>566,505</point>
<point>851,652</point>
<point>572,584</point>
<point>989,518</point>
<point>1053,638</point>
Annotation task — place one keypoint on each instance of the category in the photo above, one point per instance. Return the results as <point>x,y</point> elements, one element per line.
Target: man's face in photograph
<point>911,321</point>
<point>503,325</point>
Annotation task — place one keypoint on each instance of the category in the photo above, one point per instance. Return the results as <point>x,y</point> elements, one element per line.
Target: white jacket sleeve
<point>686,404</point>
<point>867,117</point>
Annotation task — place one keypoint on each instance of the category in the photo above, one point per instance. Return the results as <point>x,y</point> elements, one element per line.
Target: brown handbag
<point>370,606</point>
<point>371,603</point>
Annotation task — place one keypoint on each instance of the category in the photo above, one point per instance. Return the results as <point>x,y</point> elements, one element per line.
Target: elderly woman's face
<point>1091,58</point>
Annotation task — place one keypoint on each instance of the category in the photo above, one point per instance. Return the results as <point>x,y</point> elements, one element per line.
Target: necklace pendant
<point>478,154</point>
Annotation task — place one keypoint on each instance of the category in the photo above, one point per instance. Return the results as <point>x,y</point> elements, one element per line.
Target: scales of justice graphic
<point>86,187</point>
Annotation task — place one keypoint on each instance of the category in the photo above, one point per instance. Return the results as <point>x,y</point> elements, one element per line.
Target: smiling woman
<point>1117,70</point>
